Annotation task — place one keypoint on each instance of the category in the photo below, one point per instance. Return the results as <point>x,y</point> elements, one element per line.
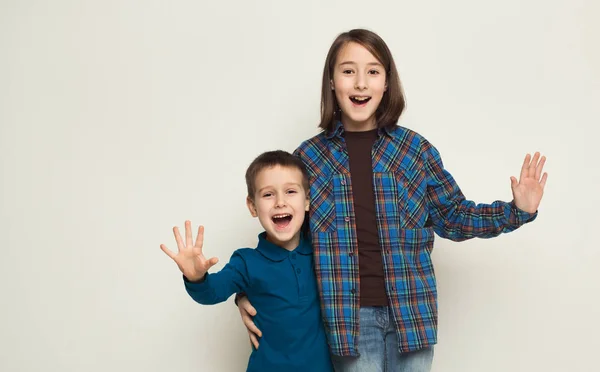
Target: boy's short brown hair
<point>270,159</point>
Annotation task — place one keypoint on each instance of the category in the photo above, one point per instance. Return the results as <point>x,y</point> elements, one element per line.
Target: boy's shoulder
<point>245,253</point>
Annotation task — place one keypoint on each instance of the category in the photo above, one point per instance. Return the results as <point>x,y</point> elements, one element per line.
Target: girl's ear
<point>251,207</point>
<point>331,85</point>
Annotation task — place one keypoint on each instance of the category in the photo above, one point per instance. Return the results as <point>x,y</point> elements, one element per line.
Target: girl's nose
<point>361,82</point>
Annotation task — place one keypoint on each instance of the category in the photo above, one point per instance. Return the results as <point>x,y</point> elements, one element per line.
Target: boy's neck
<point>288,245</point>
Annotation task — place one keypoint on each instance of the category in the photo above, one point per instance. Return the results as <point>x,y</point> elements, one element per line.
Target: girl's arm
<point>457,219</point>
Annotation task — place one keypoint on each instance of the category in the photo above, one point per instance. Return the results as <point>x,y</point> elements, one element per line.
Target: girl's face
<point>359,81</point>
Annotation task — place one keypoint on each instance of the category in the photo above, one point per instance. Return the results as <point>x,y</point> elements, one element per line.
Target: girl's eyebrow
<point>354,63</point>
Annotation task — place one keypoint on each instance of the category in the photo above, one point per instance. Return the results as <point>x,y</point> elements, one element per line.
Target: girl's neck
<point>362,126</point>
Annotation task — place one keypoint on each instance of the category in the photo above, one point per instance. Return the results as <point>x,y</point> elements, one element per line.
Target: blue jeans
<point>378,347</point>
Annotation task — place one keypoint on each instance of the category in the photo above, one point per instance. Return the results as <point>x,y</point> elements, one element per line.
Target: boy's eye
<point>292,191</point>
<point>266,195</point>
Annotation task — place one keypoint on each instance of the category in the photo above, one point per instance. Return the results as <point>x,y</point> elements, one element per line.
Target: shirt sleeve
<point>218,287</point>
<point>458,219</point>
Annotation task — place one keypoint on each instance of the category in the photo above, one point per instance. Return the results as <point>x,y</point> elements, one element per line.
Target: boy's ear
<point>307,204</point>
<point>251,207</point>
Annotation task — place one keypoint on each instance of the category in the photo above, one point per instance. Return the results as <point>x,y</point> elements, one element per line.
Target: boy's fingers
<point>188,233</point>
<point>178,239</point>
<point>200,237</point>
<point>212,262</point>
<point>167,251</point>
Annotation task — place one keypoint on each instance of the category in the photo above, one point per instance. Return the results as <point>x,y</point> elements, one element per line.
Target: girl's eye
<point>347,72</point>
<point>374,72</point>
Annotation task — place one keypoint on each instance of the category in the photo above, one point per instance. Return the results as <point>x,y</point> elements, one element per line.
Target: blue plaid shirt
<point>414,197</point>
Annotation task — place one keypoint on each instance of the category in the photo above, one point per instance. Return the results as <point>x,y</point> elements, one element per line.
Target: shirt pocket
<point>326,195</point>
<point>412,197</point>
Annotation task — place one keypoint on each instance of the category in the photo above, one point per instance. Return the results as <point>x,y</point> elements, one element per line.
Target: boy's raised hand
<point>189,257</point>
<point>528,191</point>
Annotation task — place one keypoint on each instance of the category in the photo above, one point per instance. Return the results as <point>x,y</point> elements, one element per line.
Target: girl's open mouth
<point>360,100</point>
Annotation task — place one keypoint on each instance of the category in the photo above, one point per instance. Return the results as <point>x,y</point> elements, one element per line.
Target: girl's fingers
<point>539,168</point>
<point>543,181</point>
<point>525,167</point>
<point>533,165</point>
<point>253,340</point>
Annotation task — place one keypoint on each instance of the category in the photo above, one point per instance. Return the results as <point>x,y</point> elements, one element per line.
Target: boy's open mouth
<point>282,220</point>
<point>359,100</point>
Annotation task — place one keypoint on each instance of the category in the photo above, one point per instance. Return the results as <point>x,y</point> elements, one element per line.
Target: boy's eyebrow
<point>285,184</point>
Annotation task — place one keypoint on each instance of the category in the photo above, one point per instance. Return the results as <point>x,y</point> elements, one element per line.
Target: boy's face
<point>359,81</point>
<point>280,203</point>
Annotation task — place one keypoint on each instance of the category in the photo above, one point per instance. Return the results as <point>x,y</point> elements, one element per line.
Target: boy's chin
<point>283,237</point>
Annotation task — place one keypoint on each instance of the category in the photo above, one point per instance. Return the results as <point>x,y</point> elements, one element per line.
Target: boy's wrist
<point>198,279</point>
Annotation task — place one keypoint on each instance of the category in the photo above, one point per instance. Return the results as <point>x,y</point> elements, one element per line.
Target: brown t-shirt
<point>372,282</point>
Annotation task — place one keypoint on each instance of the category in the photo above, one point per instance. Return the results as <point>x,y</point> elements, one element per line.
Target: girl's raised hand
<point>189,257</point>
<point>528,191</point>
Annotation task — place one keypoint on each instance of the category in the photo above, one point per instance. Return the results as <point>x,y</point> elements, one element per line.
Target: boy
<point>277,276</point>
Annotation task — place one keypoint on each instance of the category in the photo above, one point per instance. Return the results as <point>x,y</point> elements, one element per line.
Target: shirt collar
<point>275,253</point>
<point>338,130</point>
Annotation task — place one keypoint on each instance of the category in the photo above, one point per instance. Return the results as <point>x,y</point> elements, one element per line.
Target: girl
<point>378,193</point>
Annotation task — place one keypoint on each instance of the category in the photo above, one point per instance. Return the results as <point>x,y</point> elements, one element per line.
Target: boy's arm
<point>206,288</point>
<point>218,287</point>
<point>456,218</point>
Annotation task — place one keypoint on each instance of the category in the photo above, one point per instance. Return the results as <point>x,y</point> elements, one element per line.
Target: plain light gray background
<point>121,119</point>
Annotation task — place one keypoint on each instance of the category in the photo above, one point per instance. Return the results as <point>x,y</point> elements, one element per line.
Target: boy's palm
<point>189,258</point>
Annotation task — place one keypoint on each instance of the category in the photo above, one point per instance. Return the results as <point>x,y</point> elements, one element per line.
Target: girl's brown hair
<point>392,104</point>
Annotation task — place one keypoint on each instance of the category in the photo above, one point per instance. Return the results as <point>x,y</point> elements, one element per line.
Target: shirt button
<point>351,254</point>
<point>343,182</point>
<point>293,255</point>
<point>298,270</point>
<point>353,291</point>
<point>347,219</point>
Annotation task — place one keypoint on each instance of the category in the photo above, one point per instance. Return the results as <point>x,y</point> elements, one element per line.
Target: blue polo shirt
<point>281,285</point>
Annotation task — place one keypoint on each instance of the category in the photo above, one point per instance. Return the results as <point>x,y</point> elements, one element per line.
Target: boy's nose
<point>279,202</point>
